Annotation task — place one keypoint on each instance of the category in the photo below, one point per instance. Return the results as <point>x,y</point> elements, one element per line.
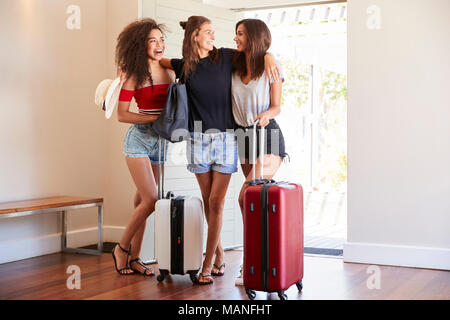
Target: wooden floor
<point>325,278</point>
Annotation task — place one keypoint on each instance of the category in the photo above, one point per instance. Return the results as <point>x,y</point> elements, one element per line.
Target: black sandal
<point>218,274</point>
<point>141,263</point>
<point>120,271</point>
<point>205,276</point>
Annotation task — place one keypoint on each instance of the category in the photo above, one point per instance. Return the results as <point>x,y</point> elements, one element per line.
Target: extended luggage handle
<point>169,194</point>
<point>261,179</point>
<point>261,151</point>
<point>161,173</point>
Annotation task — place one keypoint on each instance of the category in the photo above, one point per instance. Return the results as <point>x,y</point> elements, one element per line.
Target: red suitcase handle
<point>261,151</point>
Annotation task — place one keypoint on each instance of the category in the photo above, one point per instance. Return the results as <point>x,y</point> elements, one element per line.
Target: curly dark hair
<point>131,49</point>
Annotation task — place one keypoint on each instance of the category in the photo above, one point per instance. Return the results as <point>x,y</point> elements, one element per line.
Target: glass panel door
<point>310,43</point>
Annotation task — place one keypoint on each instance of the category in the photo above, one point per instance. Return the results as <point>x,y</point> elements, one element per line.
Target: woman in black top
<point>212,149</point>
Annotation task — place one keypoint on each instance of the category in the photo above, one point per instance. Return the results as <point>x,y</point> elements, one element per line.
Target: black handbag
<point>172,123</point>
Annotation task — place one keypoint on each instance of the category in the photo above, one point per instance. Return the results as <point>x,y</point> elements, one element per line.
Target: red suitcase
<point>273,235</point>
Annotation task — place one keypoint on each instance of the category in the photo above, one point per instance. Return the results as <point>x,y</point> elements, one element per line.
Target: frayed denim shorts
<point>141,141</point>
<point>212,151</point>
<point>273,141</point>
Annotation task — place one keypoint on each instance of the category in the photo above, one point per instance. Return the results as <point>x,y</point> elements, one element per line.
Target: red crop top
<point>150,100</point>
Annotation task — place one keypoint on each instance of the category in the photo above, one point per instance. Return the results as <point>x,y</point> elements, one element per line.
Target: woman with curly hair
<point>140,47</point>
<point>212,149</point>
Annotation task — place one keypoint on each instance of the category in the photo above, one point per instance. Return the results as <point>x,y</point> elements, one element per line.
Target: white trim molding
<point>139,13</point>
<point>397,255</point>
<point>51,243</point>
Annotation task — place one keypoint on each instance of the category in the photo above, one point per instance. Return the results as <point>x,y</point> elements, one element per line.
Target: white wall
<point>51,136</point>
<point>119,189</point>
<point>53,139</point>
<point>399,134</point>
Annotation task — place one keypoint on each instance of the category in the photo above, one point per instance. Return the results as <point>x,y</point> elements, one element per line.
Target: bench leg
<point>100,229</point>
<point>99,249</point>
<point>63,230</point>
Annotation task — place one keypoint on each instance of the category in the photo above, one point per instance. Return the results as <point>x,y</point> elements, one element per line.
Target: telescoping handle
<point>160,172</point>
<point>261,151</point>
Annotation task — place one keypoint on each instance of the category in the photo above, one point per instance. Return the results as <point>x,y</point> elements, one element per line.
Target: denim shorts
<point>141,141</point>
<point>212,151</point>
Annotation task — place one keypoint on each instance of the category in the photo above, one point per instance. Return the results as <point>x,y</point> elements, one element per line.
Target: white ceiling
<point>247,4</point>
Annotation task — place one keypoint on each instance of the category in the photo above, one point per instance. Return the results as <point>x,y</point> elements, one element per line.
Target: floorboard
<point>45,277</point>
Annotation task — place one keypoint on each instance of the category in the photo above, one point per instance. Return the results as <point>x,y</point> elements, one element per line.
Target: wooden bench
<point>57,204</point>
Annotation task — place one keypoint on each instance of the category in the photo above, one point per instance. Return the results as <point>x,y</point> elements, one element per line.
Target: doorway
<point>310,42</point>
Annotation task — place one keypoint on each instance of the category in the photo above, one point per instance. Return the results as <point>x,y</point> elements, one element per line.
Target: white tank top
<point>250,100</point>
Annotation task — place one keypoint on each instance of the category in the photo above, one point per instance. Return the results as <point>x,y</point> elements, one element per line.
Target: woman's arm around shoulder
<point>166,63</point>
<point>271,67</point>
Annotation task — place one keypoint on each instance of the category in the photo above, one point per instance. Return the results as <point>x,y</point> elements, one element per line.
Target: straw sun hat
<point>107,95</point>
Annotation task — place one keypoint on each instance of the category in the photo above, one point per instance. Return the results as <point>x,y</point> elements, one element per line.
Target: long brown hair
<point>131,49</point>
<point>258,42</point>
<point>190,49</point>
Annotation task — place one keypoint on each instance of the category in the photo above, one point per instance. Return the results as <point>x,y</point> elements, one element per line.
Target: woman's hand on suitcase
<point>263,118</point>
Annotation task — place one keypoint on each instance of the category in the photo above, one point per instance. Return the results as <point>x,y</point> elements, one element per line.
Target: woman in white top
<point>254,97</point>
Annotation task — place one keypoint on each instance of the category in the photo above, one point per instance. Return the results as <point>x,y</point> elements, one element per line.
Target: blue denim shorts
<point>141,141</point>
<point>212,151</point>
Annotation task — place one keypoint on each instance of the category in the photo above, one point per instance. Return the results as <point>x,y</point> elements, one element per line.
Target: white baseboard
<point>358,252</point>
<point>111,233</point>
<point>32,247</point>
<point>394,255</point>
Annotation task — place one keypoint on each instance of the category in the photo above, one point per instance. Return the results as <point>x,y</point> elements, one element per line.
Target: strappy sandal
<point>126,268</point>
<point>219,274</point>
<point>141,263</point>
<point>204,276</point>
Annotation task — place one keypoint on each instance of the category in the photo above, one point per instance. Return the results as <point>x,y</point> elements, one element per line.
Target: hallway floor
<point>45,277</point>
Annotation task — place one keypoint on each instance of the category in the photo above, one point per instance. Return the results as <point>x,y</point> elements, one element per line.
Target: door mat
<point>107,247</point>
<point>324,251</point>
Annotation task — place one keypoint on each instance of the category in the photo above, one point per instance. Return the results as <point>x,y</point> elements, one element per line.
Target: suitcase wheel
<point>282,295</point>
<point>251,294</point>
<point>162,274</point>
<point>299,285</point>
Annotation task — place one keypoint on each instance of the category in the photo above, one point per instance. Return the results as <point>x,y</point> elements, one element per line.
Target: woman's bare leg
<point>205,181</point>
<point>144,180</point>
<point>136,242</point>
<point>214,186</point>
